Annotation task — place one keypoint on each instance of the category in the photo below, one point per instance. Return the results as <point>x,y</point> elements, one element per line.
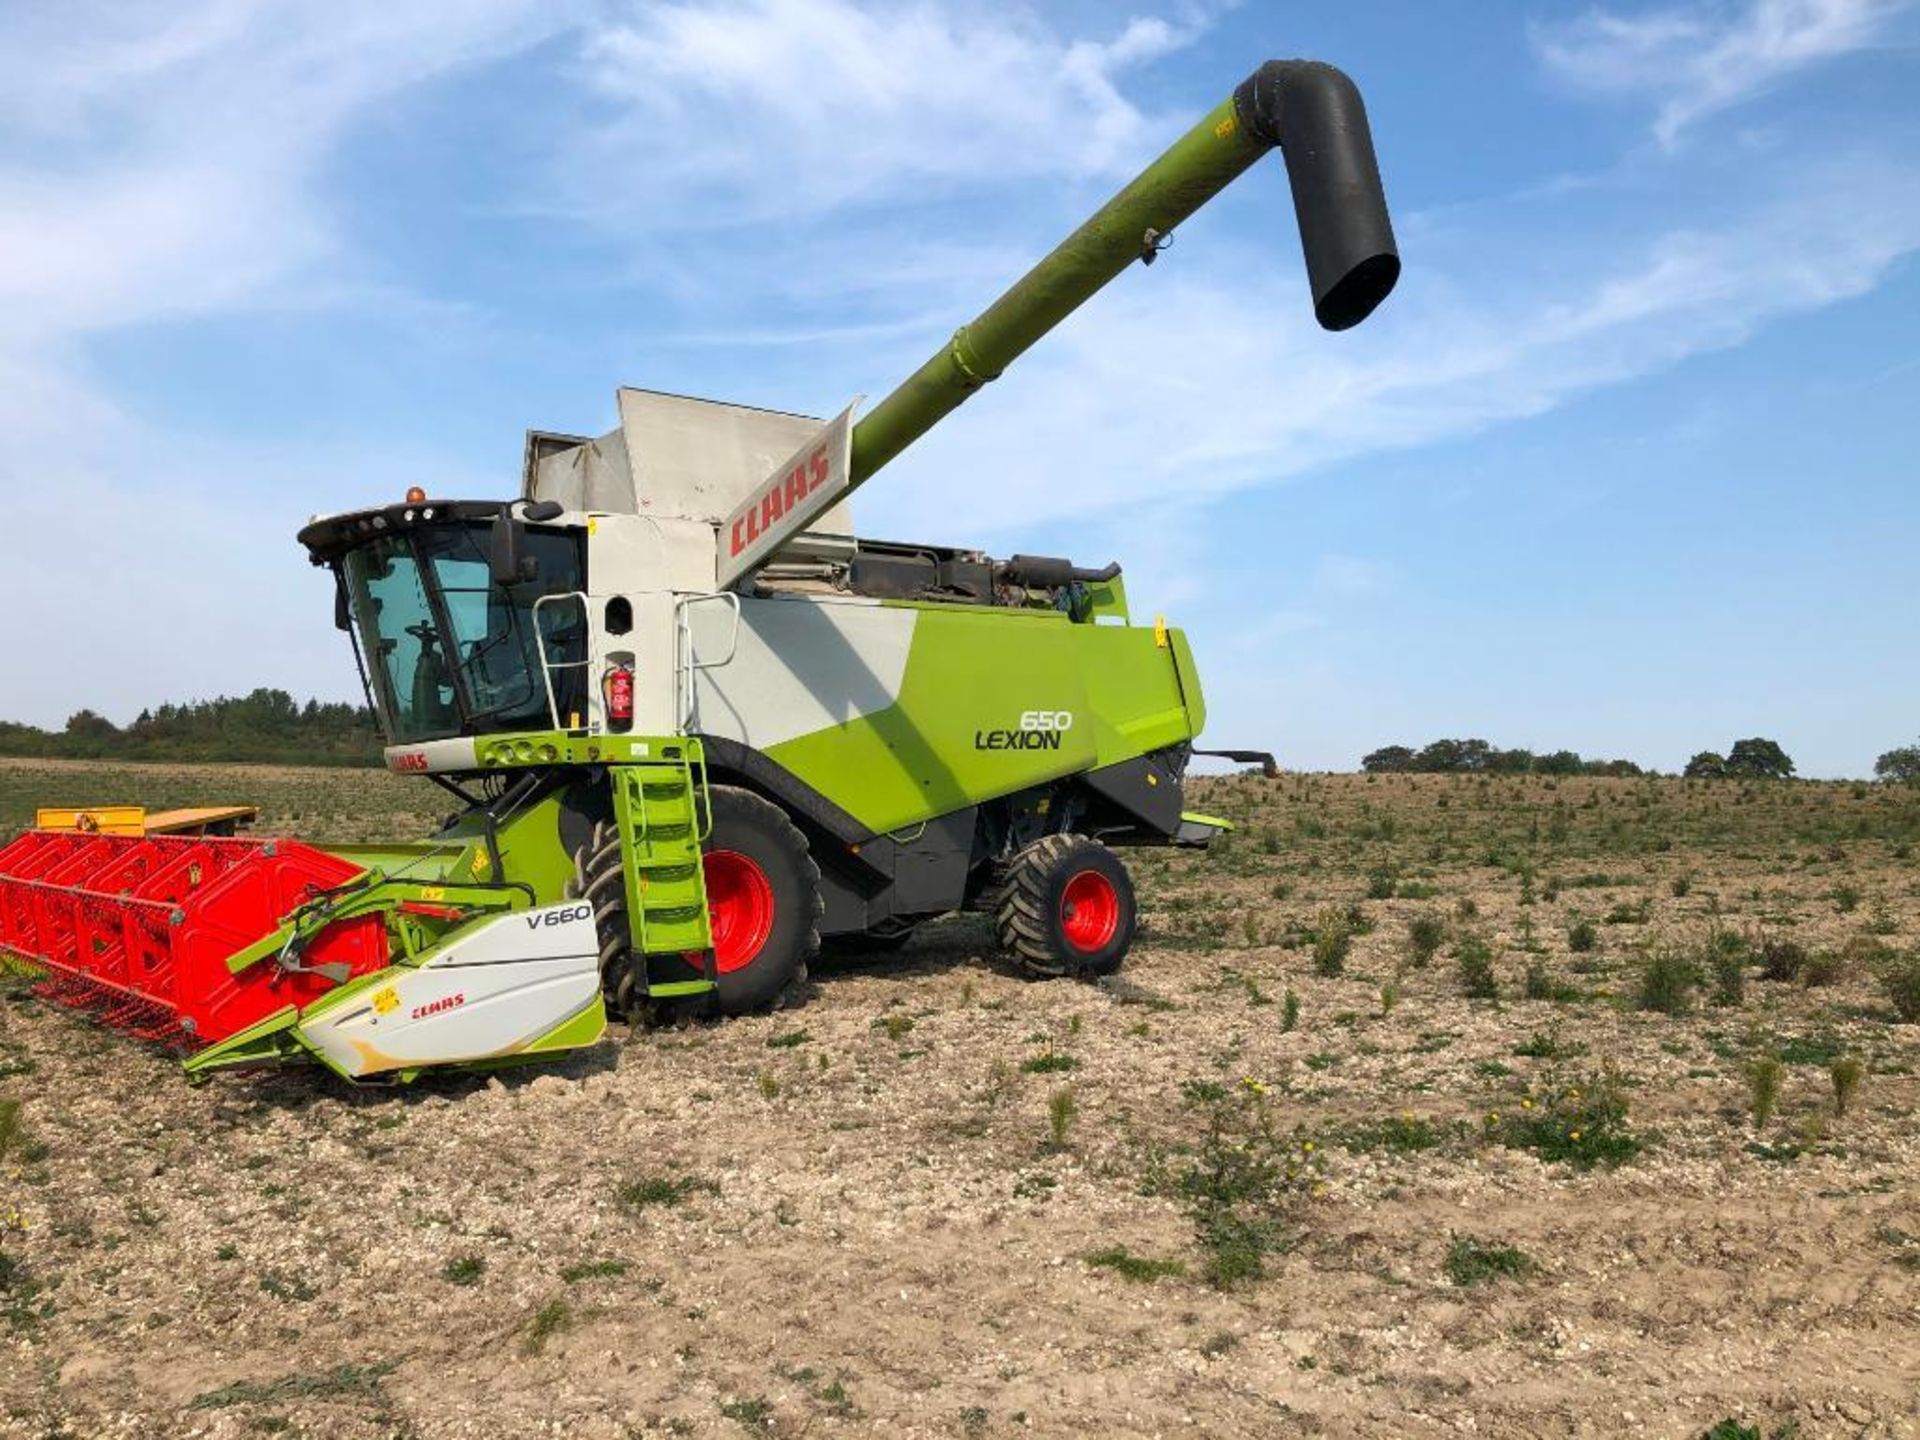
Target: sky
<point>1626,464</point>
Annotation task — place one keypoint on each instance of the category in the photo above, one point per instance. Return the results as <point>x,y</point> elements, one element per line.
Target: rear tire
<point>763,904</point>
<point>1066,907</point>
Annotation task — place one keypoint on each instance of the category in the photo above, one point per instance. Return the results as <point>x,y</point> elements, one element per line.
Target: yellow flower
<point>1573,1135</point>
<point>1526,1104</point>
<point>1493,1117</point>
<point>1307,1145</point>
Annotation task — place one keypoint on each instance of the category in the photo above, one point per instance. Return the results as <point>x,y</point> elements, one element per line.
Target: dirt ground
<point>1235,1193</point>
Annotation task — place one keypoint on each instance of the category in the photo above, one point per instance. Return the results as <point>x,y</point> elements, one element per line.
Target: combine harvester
<point>693,724</point>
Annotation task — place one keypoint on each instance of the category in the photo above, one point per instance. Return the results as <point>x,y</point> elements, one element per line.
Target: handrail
<point>684,662</point>
<point>547,667</point>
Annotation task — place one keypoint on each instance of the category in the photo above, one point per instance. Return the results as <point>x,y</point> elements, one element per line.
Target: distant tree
<point>1758,759</point>
<point>1388,760</point>
<point>87,725</point>
<point>1900,767</point>
<point>1707,765</point>
<point>1560,762</point>
<point>1454,757</point>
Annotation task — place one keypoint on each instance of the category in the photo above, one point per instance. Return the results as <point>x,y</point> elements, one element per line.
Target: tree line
<point>1479,757</point>
<point>267,725</point>
<point>1755,758</point>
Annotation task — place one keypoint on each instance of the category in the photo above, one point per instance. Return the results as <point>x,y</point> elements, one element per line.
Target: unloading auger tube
<point>1311,112</point>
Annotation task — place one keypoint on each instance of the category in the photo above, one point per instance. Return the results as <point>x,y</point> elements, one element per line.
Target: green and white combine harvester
<point>694,725</point>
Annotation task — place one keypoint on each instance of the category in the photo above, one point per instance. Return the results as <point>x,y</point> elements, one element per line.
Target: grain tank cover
<point>672,457</point>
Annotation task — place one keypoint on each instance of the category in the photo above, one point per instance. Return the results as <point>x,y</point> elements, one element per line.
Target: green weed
<point>1426,933</point>
<point>1900,979</point>
<point>342,1382</point>
<point>1667,982</point>
<point>551,1319</point>
<point>754,1413</point>
<point>593,1270</point>
<point>1781,960</point>
<point>1241,1181</point>
<point>1123,1262</point>
<point>666,1191</point>
<point>1332,942</point>
<point>1764,1077</point>
<point>1582,1123</point>
<point>1476,1262</point>
<point>1398,1134</point>
<point>1061,1109</point>
<point>1049,1064</point>
<point>1473,958</point>
<point>1846,1076</point>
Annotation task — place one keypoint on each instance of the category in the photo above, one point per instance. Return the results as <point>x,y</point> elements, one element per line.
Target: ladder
<point>664,814</point>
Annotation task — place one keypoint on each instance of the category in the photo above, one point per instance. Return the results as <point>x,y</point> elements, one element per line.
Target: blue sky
<point>1626,464</point>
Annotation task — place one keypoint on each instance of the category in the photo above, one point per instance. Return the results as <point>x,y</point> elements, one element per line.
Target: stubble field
<point>1376,1135</point>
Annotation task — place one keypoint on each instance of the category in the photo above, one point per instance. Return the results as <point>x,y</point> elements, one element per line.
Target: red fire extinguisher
<point>616,689</point>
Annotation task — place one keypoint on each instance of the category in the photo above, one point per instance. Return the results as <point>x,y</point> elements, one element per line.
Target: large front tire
<point>763,899</point>
<point>1067,908</point>
<point>763,907</point>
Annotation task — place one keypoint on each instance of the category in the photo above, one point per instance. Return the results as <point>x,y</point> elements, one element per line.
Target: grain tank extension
<point>694,724</point>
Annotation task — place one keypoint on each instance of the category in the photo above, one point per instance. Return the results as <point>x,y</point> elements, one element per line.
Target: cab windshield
<point>447,651</point>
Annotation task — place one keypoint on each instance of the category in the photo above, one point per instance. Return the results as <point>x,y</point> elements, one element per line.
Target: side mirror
<point>508,562</point>
<point>342,620</point>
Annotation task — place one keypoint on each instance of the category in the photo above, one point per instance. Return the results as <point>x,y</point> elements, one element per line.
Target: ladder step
<point>668,989</point>
<point>676,886</point>
<point>676,937</point>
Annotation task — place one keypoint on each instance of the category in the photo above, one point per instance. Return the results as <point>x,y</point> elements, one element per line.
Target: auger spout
<point>1312,113</point>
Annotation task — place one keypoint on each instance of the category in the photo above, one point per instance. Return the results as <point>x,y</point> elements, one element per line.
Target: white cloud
<point>731,110</point>
<point>1179,385</point>
<point>162,157</point>
<point>1697,59</point>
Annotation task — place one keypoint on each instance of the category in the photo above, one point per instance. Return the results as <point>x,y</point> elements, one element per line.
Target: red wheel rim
<point>739,908</point>
<point>1089,911</point>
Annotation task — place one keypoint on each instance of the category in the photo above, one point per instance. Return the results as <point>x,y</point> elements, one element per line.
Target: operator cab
<point>450,640</point>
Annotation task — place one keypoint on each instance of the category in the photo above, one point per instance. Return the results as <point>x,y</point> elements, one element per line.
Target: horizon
<point>1201,764</point>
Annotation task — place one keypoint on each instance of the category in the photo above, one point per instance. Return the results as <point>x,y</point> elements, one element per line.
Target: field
<point>1429,1105</point>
